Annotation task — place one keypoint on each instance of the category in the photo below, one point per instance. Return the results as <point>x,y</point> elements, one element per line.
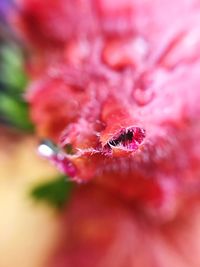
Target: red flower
<point>119,83</point>
<point>101,230</point>
<point>116,87</point>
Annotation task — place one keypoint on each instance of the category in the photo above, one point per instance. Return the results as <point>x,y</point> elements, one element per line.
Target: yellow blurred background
<point>28,230</point>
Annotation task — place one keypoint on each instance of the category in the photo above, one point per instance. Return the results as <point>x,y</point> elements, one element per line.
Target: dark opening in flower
<point>128,139</point>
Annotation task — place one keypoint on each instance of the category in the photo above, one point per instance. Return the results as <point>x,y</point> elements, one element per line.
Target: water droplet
<point>143,89</point>
<point>47,149</point>
<point>143,97</point>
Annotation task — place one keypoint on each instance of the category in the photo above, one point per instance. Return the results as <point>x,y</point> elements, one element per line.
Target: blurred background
<point>30,209</point>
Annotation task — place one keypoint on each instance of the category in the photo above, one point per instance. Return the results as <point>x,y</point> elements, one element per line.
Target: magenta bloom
<point>115,84</point>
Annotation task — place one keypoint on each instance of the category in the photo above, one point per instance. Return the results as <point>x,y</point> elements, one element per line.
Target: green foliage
<point>15,111</point>
<point>12,69</point>
<point>55,193</point>
<point>13,80</point>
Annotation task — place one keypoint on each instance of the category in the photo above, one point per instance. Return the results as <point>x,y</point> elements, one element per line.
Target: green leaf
<point>55,193</point>
<point>15,111</point>
<point>13,80</point>
<point>12,68</point>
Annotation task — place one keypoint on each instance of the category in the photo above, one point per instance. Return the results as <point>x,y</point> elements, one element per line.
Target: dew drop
<point>47,149</point>
<point>143,89</point>
<point>143,97</point>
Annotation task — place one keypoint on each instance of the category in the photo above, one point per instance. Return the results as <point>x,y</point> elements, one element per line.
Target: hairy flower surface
<point>117,82</point>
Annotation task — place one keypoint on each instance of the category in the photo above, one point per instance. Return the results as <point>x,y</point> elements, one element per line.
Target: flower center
<point>128,138</point>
